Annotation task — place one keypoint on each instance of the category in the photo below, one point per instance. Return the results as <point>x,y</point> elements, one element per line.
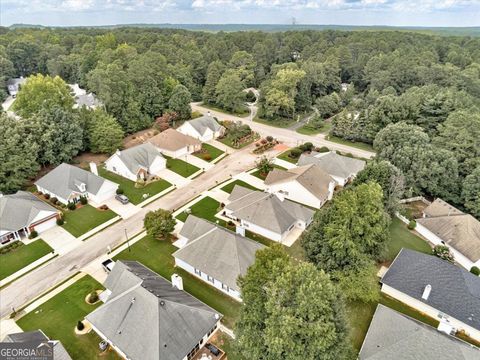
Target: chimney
<point>426,292</point>
<point>240,230</point>
<point>93,168</point>
<point>177,281</point>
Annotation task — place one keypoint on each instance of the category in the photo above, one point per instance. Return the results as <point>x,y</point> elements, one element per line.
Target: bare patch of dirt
<point>138,138</point>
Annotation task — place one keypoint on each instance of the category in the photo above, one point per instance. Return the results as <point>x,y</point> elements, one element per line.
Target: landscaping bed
<point>16,256</point>
<point>208,152</point>
<point>262,176</point>
<point>134,193</point>
<point>84,219</point>
<point>229,187</point>
<point>237,135</point>
<point>157,255</point>
<point>58,317</point>
<point>205,208</point>
<point>181,167</point>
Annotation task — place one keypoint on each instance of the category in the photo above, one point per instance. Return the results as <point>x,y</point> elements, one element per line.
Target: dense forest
<point>415,97</point>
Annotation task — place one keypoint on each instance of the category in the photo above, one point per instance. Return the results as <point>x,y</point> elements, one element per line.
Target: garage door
<point>46,225</point>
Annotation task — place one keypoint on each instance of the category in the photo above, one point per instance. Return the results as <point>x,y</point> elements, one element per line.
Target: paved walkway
<point>173,178</point>
<point>124,210</point>
<point>250,179</point>
<point>60,240</point>
<point>196,161</point>
<point>285,164</point>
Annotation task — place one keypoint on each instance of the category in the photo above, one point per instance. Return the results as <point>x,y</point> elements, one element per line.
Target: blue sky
<point>342,12</point>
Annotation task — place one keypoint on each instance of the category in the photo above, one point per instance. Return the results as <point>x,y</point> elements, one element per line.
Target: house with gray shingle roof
<point>308,185</point>
<point>204,128</point>
<point>267,214</point>
<point>437,288</point>
<point>443,224</point>
<point>23,212</point>
<point>39,337</point>
<point>216,255</point>
<point>138,162</point>
<point>69,183</point>
<point>13,85</point>
<point>395,336</point>
<point>341,168</point>
<point>145,317</point>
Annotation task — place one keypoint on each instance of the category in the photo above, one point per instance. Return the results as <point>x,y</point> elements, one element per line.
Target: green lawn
<point>181,167</point>
<point>134,194</point>
<point>229,187</point>
<point>208,152</point>
<point>401,237</point>
<point>358,145</point>
<point>84,219</point>
<point>244,113</point>
<point>309,130</point>
<point>18,258</point>
<point>59,316</point>
<point>279,122</point>
<point>156,255</point>
<point>205,208</point>
<point>285,156</point>
<point>262,176</point>
<point>227,140</point>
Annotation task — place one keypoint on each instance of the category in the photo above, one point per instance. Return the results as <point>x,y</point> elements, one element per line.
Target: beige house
<point>175,144</point>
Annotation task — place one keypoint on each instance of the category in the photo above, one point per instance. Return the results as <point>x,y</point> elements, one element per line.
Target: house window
<point>114,169</point>
<point>225,287</point>
<point>198,272</point>
<point>211,279</point>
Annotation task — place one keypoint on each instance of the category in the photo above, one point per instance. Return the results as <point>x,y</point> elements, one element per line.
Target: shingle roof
<point>88,100</point>
<point>138,157</point>
<point>63,180</point>
<point>266,210</point>
<point>221,254</point>
<point>59,352</point>
<point>333,164</point>
<point>18,210</point>
<point>149,319</point>
<point>172,140</point>
<point>462,232</point>
<point>204,123</point>
<point>455,291</point>
<point>441,208</point>
<point>394,336</point>
<point>194,227</point>
<point>312,177</point>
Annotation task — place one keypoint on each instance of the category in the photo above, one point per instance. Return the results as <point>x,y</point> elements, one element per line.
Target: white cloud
<point>76,5</point>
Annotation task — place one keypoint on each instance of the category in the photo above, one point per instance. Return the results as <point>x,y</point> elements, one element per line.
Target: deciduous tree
<point>159,223</point>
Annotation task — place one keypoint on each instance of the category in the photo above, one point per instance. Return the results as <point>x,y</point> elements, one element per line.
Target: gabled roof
<point>18,210</point>
<point>266,210</point>
<point>220,253</point>
<point>64,180</point>
<point>333,164</point>
<point>441,208</point>
<point>195,227</point>
<point>311,177</point>
<point>395,336</point>
<point>139,157</point>
<point>172,140</point>
<point>59,352</point>
<point>203,123</point>
<point>16,81</point>
<point>462,232</point>
<point>149,319</point>
<point>454,291</point>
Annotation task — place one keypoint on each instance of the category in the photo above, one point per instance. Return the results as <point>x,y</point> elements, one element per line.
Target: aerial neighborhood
<point>171,194</point>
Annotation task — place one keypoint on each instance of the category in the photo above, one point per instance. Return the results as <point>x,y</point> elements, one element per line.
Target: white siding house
<point>204,128</point>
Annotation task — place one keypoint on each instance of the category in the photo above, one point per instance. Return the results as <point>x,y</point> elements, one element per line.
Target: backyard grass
<point>262,176</point>
<point>358,145</point>
<point>84,219</point>
<point>16,259</point>
<point>208,152</point>
<point>279,122</point>
<point>157,255</point>
<point>401,237</point>
<point>229,187</point>
<point>180,167</point>
<point>205,208</point>
<point>134,194</point>
<point>58,317</point>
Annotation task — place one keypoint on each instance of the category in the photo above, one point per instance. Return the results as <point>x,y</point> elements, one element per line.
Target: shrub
<point>119,191</point>
<point>83,200</point>
<point>323,149</point>
<point>93,297</point>
<point>250,97</point>
<point>295,153</point>
<point>80,325</point>
<point>269,138</point>
<point>54,200</point>
<point>412,224</point>
<point>33,234</point>
<point>443,252</point>
<point>71,206</point>
<point>264,141</point>
<point>308,146</point>
<point>47,196</point>
<point>60,221</point>
<point>475,270</point>
<point>104,207</point>
<point>207,157</point>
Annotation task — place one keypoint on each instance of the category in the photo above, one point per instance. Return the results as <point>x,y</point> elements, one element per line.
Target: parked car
<point>122,198</point>
<point>107,265</point>
<point>213,349</point>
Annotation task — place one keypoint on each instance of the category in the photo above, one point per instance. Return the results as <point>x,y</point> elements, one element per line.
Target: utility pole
<point>128,242</point>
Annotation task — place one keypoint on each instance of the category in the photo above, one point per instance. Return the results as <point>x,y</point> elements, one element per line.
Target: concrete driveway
<point>173,178</point>
<point>196,161</point>
<point>125,211</point>
<point>60,240</point>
